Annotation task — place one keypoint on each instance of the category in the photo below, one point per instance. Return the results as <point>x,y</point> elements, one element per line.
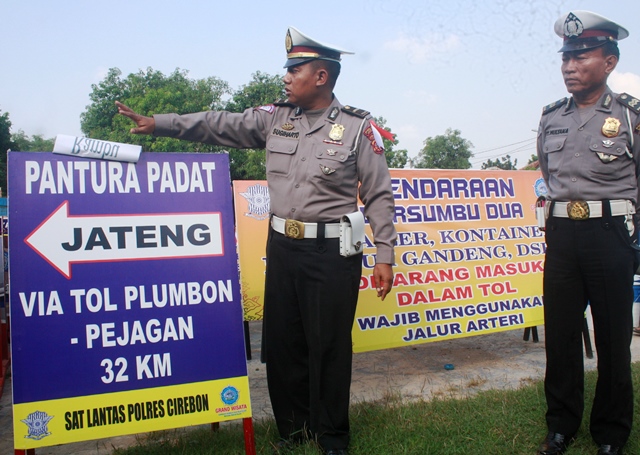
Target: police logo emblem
<point>331,152</point>
<point>229,395</point>
<point>287,126</point>
<point>258,198</point>
<point>611,127</point>
<point>337,131</point>
<point>573,26</point>
<point>37,423</point>
<point>608,143</point>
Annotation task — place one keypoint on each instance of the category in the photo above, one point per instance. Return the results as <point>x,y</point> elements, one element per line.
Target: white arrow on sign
<point>62,239</point>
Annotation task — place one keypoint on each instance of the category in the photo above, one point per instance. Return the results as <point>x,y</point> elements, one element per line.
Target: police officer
<point>321,156</point>
<point>589,150</point>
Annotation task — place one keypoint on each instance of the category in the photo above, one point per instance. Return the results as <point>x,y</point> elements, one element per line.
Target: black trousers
<point>310,301</point>
<point>589,262</point>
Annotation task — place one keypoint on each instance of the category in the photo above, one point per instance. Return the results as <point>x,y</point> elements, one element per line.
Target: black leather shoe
<point>554,444</point>
<point>336,452</point>
<point>606,449</point>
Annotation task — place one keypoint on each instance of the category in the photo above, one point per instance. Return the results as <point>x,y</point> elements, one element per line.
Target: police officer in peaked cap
<point>320,157</point>
<point>589,152</point>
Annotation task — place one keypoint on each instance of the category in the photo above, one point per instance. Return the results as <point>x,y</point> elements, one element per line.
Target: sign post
<point>126,310</point>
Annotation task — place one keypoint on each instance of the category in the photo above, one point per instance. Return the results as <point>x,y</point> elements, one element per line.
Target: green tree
<point>503,163</point>
<point>5,144</point>
<point>448,151</point>
<point>35,143</point>
<point>395,158</point>
<point>149,92</point>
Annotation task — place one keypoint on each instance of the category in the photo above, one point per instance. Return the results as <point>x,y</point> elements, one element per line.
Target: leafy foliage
<point>151,92</point>
<point>448,151</point>
<point>35,143</point>
<point>5,144</point>
<point>503,163</point>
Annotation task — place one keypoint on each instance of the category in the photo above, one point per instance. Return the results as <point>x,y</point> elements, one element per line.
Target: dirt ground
<point>493,361</point>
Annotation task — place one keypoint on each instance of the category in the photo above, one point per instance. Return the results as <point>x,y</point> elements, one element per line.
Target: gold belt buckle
<point>294,229</point>
<point>578,210</point>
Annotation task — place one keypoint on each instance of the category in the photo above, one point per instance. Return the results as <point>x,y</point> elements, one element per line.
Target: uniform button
<point>293,210</point>
<point>308,135</point>
<point>619,150</point>
<point>595,146</point>
<point>304,159</point>
<point>581,128</point>
<point>558,146</point>
<point>342,157</point>
<point>297,185</point>
<point>574,179</point>
<point>577,154</point>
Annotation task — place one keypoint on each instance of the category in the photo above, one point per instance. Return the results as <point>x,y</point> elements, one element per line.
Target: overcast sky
<point>485,67</point>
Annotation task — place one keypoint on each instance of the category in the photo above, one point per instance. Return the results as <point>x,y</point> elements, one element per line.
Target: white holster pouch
<point>351,234</point>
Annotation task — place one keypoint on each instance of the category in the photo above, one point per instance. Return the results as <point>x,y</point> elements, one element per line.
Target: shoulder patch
<point>630,102</point>
<point>355,111</point>
<point>555,105</point>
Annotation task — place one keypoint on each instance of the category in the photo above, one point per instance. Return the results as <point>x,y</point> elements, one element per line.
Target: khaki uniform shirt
<point>312,176</point>
<point>595,159</point>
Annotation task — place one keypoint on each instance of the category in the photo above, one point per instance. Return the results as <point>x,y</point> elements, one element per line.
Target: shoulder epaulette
<point>355,111</point>
<point>283,103</point>
<point>630,102</point>
<point>555,105</point>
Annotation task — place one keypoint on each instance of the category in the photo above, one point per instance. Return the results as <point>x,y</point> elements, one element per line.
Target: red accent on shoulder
<point>369,135</point>
<point>270,108</point>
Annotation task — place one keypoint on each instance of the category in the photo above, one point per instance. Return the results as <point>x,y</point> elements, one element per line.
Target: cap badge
<point>337,131</point>
<point>331,152</point>
<point>287,126</point>
<point>573,26</point>
<point>608,143</point>
<point>288,42</point>
<point>326,170</point>
<point>611,127</point>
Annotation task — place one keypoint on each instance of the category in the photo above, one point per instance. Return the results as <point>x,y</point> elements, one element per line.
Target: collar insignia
<point>333,114</point>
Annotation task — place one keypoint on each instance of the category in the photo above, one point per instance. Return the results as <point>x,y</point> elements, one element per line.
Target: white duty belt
<point>583,210</point>
<point>298,230</point>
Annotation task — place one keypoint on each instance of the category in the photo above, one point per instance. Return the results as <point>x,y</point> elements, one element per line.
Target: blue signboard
<point>125,302</point>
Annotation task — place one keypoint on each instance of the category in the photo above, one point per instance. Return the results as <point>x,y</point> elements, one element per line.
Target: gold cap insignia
<point>611,127</point>
<point>287,126</point>
<point>337,131</point>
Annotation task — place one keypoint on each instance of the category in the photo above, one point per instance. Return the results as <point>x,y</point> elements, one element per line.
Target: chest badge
<point>607,143</point>
<point>606,158</point>
<point>331,152</point>
<point>337,131</point>
<point>327,170</point>
<point>287,126</point>
<point>611,127</point>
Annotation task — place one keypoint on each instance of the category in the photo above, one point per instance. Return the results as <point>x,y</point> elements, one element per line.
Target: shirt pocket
<point>611,159</point>
<point>333,164</point>
<point>551,149</point>
<point>280,153</point>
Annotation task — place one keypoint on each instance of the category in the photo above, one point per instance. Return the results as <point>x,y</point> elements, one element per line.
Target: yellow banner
<point>469,257</point>
<point>53,422</point>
